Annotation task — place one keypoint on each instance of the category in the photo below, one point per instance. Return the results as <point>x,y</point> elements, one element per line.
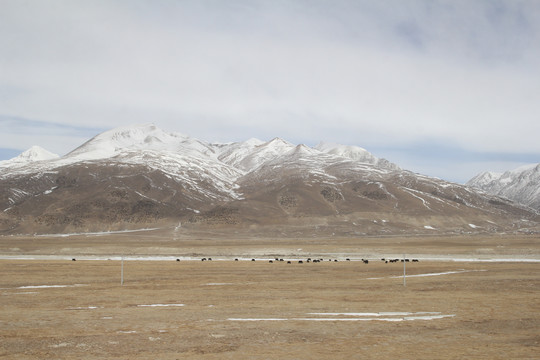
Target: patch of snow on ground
<point>255,319</point>
<point>84,308</point>
<point>377,314</point>
<point>218,284</point>
<point>59,345</point>
<point>423,275</point>
<point>381,316</point>
<point>160,305</point>
<point>49,286</point>
<point>442,273</point>
<point>97,233</point>
<point>429,227</point>
<point>46,192</point>
<point>430,317</point>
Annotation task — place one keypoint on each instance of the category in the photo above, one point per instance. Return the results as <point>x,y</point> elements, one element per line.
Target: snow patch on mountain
<point>355,153</point>
<point>234,154</point>
<point>262,153</point>
<point>483,179</point>
<point>351,152</point>
<point>521,185</point>
<point>139,137</point>
<point>219,178</point>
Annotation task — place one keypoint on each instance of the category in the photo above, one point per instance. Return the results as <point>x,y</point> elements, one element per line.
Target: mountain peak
<point>519,185</point>
<point>35,153</point>
<point>348,151</point>
<point>304,149</point>
<point>277,141</point>
<point>136,137</point>
<point>355,153</point>
<point>483,179</point>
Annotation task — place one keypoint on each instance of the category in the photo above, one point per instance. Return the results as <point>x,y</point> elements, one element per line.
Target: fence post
<point>404,271</point>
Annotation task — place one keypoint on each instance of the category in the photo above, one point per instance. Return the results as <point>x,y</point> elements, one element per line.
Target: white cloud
<point>369,73</point>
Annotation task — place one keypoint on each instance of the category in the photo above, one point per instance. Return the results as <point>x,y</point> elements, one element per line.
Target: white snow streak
<point>381,316</point>
<point>49,286</point>
<point>97,233</point>
<point>423,275</point>
<point>84,308</point>
<point>376,314</point>
<point>255,319</point>
<point>160,305</point>
<point>218,284</point>
<point>410,191</point>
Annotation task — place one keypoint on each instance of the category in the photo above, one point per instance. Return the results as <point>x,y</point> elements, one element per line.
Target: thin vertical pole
<point>122,272</point>
<point>404,271</point>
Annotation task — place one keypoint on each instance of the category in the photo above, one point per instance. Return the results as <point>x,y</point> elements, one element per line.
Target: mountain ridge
<point>137,176</point>
<point>521,185</point>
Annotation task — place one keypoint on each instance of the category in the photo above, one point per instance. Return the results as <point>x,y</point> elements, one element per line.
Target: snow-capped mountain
<point>35,153</point>
<point>119,141</point>
<point>131,176</point>
<point>355,153</point>
<point>521,185</point>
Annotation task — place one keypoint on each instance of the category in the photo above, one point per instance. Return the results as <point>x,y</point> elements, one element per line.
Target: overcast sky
<point>444,88</point>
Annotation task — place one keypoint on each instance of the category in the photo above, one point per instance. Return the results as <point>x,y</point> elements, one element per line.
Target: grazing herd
<point>365,261</point>
<point>308,260</point>
<point>386,261</point>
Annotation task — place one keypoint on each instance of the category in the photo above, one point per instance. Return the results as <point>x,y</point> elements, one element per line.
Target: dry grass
<point>496,308</point>
<point>167,242</point>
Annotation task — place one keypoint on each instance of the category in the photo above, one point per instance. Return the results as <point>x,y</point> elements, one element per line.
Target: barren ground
<point>223,309</point>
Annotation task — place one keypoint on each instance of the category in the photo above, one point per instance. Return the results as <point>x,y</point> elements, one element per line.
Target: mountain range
<point>521,185</point>
<point>141,176</point>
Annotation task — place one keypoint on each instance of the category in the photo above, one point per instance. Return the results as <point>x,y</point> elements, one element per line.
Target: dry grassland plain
<point>226,309</point>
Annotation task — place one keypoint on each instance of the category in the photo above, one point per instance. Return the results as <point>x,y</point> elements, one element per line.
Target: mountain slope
<point>141,176</point>
<point>521,185</point>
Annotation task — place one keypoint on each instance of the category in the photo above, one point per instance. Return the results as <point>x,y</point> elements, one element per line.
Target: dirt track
<point>493,310</point>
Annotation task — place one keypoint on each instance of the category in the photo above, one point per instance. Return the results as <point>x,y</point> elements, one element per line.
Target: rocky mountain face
<point>142,177</point>
<point>521,185</point>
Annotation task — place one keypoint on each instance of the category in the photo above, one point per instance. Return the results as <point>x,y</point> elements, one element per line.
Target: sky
<point>443,88</point>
